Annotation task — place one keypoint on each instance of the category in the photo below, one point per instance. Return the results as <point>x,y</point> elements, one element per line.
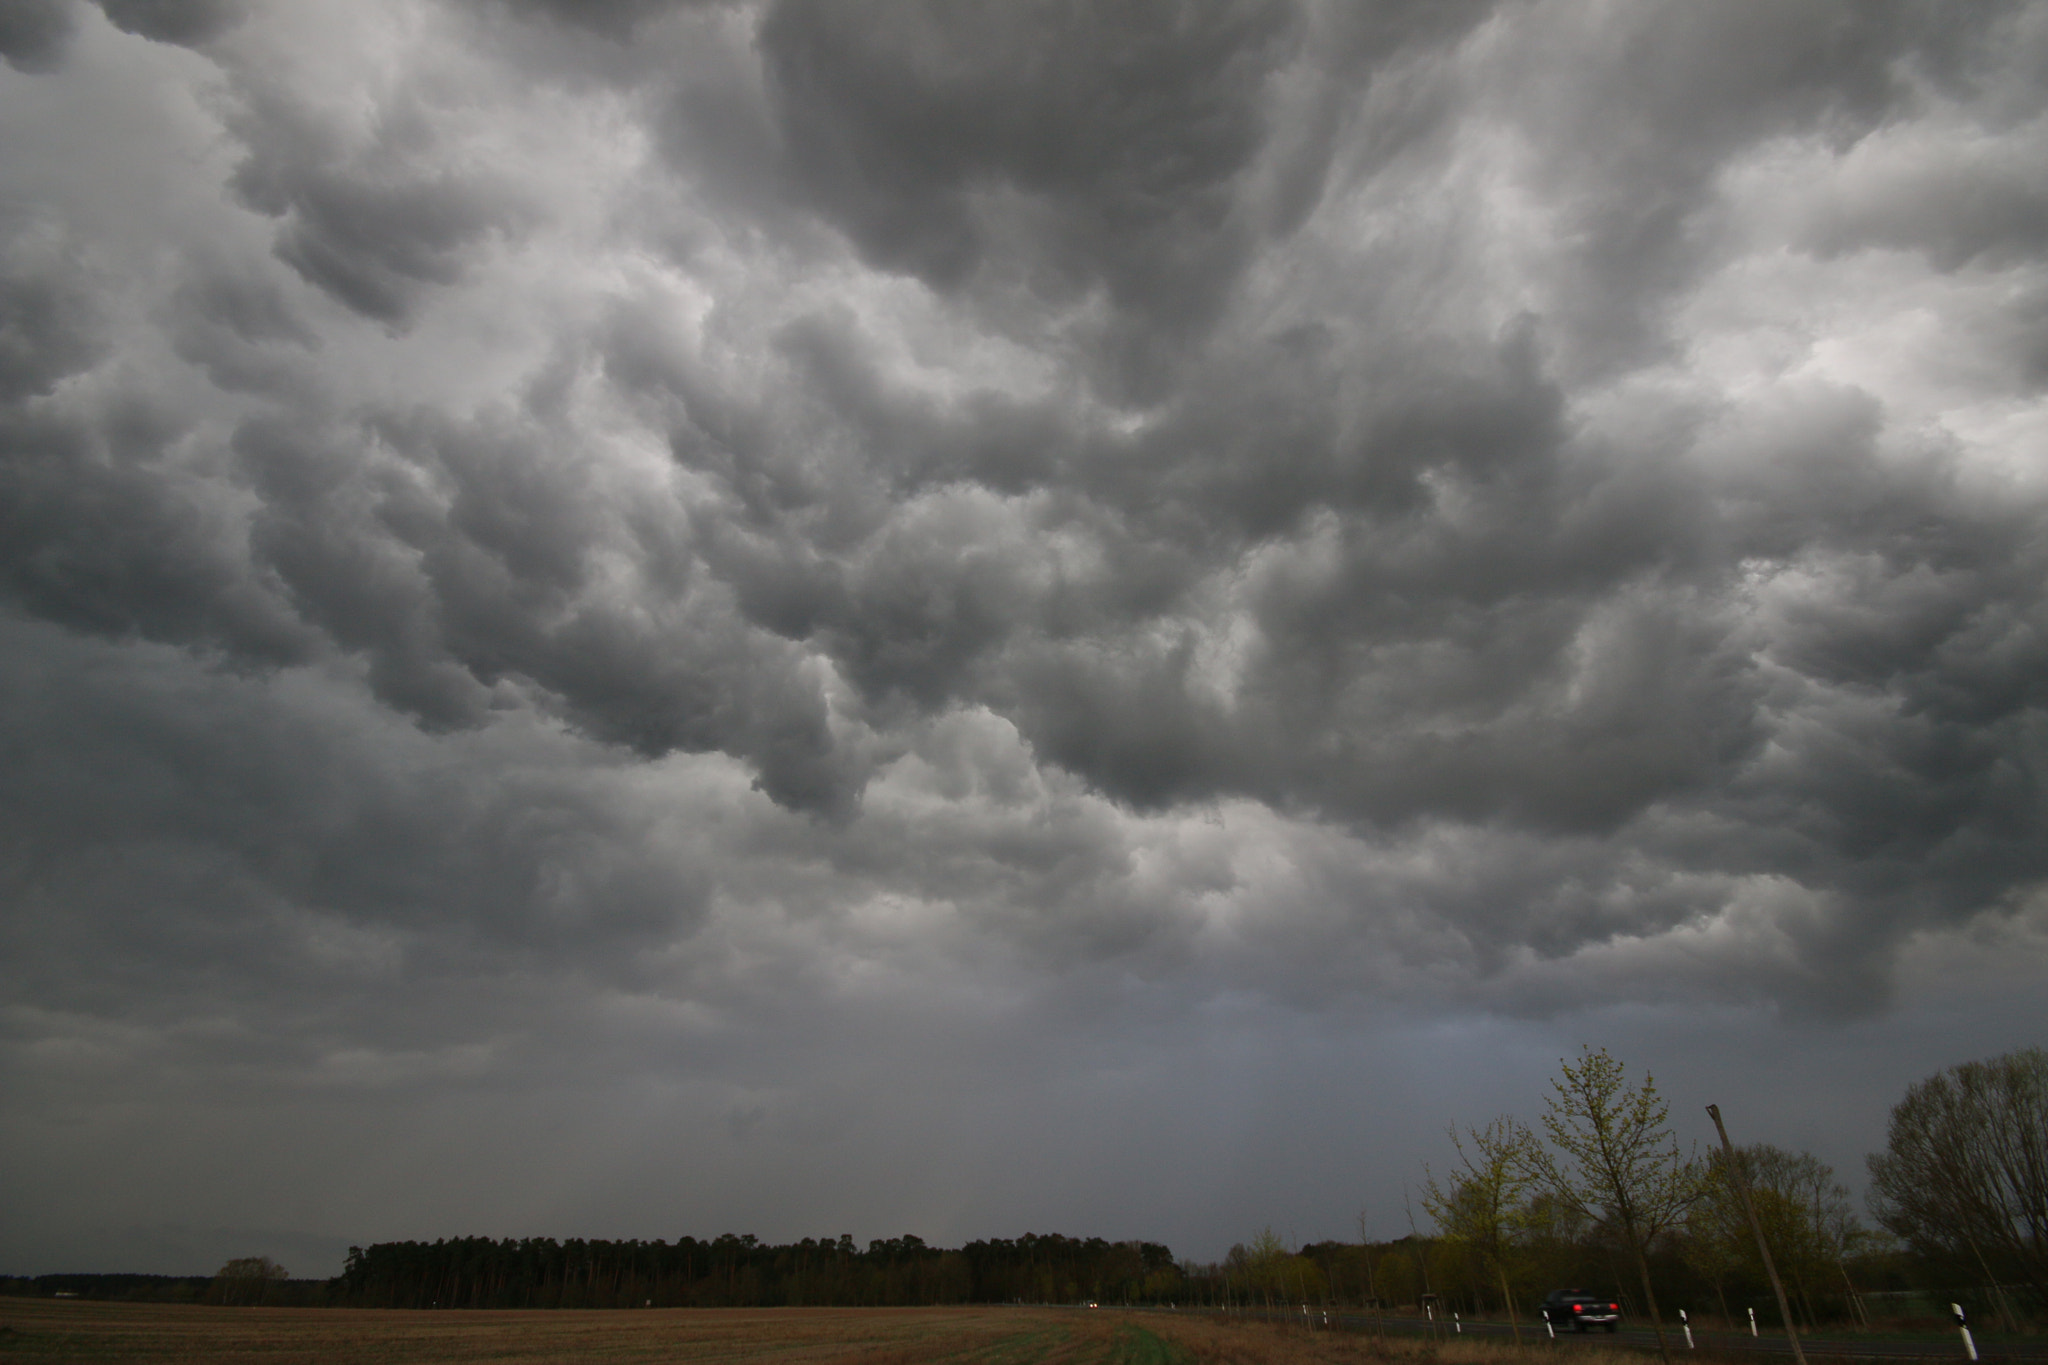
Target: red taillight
<point>1578,1308</point>
<point>1614,1308</point>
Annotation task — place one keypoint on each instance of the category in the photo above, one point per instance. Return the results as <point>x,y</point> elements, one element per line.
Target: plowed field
<point>118,1334</point>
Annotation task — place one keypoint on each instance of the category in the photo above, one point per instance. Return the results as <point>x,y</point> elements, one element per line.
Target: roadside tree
<point>1805,1215</point>
<point>1964,1174</point>
<point>1616,1160</point>
<point>1396,1279</point>
<point>1268,1272</point>
<point>1481,1204</point>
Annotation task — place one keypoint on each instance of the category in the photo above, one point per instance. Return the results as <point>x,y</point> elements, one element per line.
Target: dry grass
<point>121,1334</point>
<point>1232,1342</point>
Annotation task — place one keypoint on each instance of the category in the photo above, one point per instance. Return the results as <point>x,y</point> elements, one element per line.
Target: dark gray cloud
<point>463,561</point>
<point>104,538</point>
<point>365,225</point>
<point>102,531</point>
<point>186,22</point>
<point>48,323</point>
<point>237,324</point>
<point>1082,147</point>
<point>34,34</point>
<point>777,573</point>
<point>615,19</point>
<point>215,861</point>
<point>1700,87</point>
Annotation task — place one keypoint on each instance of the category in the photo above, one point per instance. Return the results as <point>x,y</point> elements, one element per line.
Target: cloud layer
<point>546,538</point>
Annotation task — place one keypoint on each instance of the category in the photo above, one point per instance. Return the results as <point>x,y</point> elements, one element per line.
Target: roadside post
<point>1741,1179</point>
<point>1686,1323</point>
<point>1548,1326</point>
<point>1457,1322</point>
<point>1963,1323</point>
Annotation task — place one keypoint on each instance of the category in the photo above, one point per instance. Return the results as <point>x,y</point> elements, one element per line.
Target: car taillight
<point>1578,1308</point>
<point>1614,1308</point>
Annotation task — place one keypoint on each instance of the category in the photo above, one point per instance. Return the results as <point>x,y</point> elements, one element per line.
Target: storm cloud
<point>740,569</point>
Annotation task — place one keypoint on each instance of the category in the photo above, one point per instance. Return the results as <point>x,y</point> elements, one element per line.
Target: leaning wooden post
<point>1741,1180</point>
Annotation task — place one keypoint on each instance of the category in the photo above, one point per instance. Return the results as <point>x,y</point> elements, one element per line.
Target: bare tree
<point>1964,1173</point>
<point>1481,1203</point>
<point>1372,1291</point>
<point>1421,1254</point>
<point>1616,1160</point>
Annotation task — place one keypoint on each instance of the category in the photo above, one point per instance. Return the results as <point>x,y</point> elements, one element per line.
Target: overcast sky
<point>641,619</point>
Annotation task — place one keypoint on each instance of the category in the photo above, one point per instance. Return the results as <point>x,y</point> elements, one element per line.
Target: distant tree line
<point>741,1271</point>
<point>272,1290</point>
<point>125,1288</point>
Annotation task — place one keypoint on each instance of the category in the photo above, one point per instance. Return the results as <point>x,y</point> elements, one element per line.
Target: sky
<point>638,619</point>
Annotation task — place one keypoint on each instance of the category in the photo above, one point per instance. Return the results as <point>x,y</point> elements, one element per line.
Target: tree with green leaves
<point>1481,1203</point>
<point>1821,1221</point>
<point>1616,1160</point>
<point>1713,1245</point>
<point>1803,1210</point>
<point>1278,1276</point>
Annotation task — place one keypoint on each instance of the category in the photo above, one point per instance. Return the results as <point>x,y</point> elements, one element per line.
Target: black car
<point>1580,1311</point>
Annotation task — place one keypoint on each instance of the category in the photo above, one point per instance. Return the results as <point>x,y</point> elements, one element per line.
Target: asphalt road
<point>1949,1347</point>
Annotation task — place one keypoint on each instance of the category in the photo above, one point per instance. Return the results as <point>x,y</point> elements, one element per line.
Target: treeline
<point>1402,1274</point>
<point>741,1271</point>
<point>124,1288</point>
<point>135,1288</point>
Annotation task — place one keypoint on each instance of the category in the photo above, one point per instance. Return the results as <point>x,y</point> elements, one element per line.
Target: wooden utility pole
<point>1741,1179</point>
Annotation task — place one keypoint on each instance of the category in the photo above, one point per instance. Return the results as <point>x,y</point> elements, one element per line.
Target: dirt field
<point>115,1334</point>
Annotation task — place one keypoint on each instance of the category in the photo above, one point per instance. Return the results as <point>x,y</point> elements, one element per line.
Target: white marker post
<point>1969,1346</point>
<point>1752,1322</point>
<point>1548,1326</point>
<point>1686,1323</point>
<point>1458,1323</point>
